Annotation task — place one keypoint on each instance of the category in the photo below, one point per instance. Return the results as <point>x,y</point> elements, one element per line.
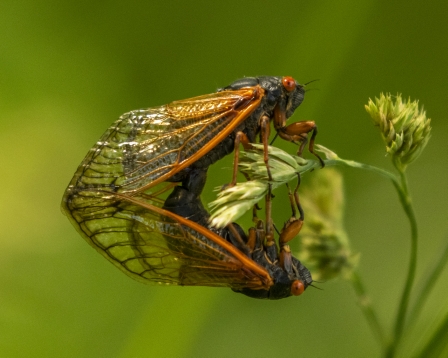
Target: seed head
<point>403,126</point>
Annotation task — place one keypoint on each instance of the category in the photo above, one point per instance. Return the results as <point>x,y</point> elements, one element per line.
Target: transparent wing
<point>156,246</point>
<point>146,147</point>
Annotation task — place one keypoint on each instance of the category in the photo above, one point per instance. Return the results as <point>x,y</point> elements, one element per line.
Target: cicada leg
<point>271,246</point>
<point>241,138</point>
<point>238,240</point>
<point>297,200</point>
<point>265,125</point>
<point>296,132</point>
<point>291,228</point>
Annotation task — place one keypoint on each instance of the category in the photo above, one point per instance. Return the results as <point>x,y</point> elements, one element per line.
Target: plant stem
<point>405,200</point>
<point>428,283</point>
<point>436,346</point>
<point>366,306</point>
<point>401,186</point>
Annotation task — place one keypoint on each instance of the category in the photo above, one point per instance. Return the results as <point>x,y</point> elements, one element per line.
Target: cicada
<point>116,198</point>
<point>283,280</point>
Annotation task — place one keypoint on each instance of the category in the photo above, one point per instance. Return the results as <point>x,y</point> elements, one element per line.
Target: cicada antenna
<point>306,84</point>
<point>321,289</point>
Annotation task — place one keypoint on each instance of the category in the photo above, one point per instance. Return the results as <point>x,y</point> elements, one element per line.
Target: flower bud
<point>403,126</point>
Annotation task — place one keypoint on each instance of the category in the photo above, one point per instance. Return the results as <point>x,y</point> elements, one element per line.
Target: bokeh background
<point>69,69</point>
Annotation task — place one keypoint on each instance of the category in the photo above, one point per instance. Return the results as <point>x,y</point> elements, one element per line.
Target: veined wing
<point>146,147</point>
<point>153,245</point>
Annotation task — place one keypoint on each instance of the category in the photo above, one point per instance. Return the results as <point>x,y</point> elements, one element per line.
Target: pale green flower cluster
<point>234,201</point>
<point>404,127</point>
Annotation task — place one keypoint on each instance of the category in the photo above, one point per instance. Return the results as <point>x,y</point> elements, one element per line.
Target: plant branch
<point>437,345</point>
<point>401,186</point>
<point>428,283</point>
<point>366,307</point>
<point>402,190</point>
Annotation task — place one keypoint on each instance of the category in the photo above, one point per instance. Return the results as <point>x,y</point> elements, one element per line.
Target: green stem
<point>353,164</point>
<point>428,283</point>
<point>436,346</point>
<point>401,186</point>
<point>366,307</point>
<point>404,302</point>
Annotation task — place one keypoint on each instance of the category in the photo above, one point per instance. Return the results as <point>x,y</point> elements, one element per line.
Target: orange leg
<point>240,138</point>
<point>269,226</point>
<point>296,199</point>
<point>291,229</point>
<point>291,201</point>
<point>265,131</point>
<point>286,258</point>
<point>251,239</point>
<point>241,244</point>
<point>298,132</point>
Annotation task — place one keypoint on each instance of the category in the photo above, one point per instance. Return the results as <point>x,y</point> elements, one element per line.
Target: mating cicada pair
<point>136,196</point>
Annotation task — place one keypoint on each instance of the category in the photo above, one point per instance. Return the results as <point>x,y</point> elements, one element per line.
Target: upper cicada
<point>124,201</point>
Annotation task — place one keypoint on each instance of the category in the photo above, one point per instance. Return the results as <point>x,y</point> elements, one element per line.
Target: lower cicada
<point>275,280</point>
<point>119,199</point>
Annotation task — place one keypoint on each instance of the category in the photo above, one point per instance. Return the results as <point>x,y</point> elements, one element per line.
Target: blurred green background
<point>69,69</point>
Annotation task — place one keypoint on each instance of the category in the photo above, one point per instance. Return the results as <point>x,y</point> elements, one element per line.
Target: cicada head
<point>287,280</point>
<point>285,284</point>
<point>284,92</point>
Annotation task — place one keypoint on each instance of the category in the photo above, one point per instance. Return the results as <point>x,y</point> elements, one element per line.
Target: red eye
<point>289,83</point>
<point>297,288</point>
